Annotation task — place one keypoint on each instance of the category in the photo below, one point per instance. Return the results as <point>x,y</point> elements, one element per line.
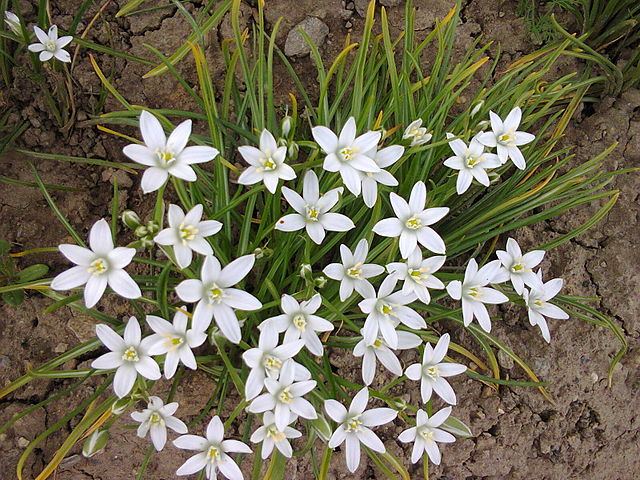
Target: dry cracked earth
<point>590,431</point>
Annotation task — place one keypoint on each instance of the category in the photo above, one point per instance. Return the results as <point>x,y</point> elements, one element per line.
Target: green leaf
<point>33,272</point>
<point>14,298</point>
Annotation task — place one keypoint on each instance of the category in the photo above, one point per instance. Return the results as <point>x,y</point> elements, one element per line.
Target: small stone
<point>500,411</point>
<point>348,24</point>
<point>361,7</point>
<point>501,14</point>
<point>505,360</point>
<point>350,5</point>
<point>594,377</point>
<point>296,46</point>
<point>23,442</point>
<point>4,361</point>
<point>61,347</point>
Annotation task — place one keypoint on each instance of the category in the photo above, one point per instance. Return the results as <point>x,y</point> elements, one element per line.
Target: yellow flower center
<point>474,292</point>
<point>275,434</point>
<point>187,233</point>
<point>418,275</point>
<point>427,434</point>
<point>386,309</point>
<point>130,355</point>
<point>348,153</point>
<point>538,303</point>
<point>414,223</point>
<point>508,139</point>
<point>268,163</point>
<point>213,453</point>
<point>156,418</point>
<point>272,363</point>
<point>432,372</point>
<point>97,267</point>
<point>377,343</point>
<point>300,322</point>
<point>353,424</point>
<point>50,45</point>
<point>355,271</point>
<point>166,158</point>
<point>285,395</point>
<point>215,294</point>
<point>473,160</point>
<point>518,267</point>
<point>312,213</point>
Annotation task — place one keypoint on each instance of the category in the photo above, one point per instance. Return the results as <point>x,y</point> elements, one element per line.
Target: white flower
<point>474,294</point>
<point>417,133</point>
<point>12,21</point>
<point>347,154</point>
<point>417,274</point>
<point>215,296</point>
<point>214,453</point>
<point>506,138</point>
<point>353,272</point>
<point>50,45</point>
<point>98,267</point>
<point>471,162</point>
<point>385,311</point>
<point>156,418</point>
<point>128,355</point>
<point>313,210</point>
<point>164,156</point>
<point>383,158</point>
<point>266,164</point>
<point>426,433</point>
<point>432,371</point>
<point>378,349</point>
<point>271,436</point>
<point>299,321</point>
<point>266,360</point>
<point>517,267</point>
<point>284,397</point>
<point>176,341</point>
<point>537,301</point>
<point>411,222</point>
<point>354,426</point>
<point>187,233</point>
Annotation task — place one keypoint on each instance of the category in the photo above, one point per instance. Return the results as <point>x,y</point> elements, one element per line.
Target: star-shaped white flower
<point>518,267</point>
<point>12,21</point>
<point>175,341</point>
<point>352,273</point>
<point>266,360</point>
<point>417,133</point>
<point>164,156</point>
<point>347,154</point>
<point>156,418</point>
<point>370,180</point>
<point>271,436</point>
<point>299,321</point>
<point>379,350</point>
<point>471,161</point>
<point>285,397</point>
<point>213,453</point>
<point>474,293</point>
<point>412,222</point>
<point>215,297</point>
<point>98,267</point>
<point>506,139</point>
<point>313,210</point>
<point>186,233</point>
<point>426,433</point>
<point>432,371</point>
<point>538,306</point>
<point>50,45</point>
<point>417,274</point>
<point>385,310</point>
<point>354,426</point>
<point>128,355</point>
<point>266,164</point>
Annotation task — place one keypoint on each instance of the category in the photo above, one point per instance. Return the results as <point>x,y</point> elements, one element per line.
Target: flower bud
<point>305,269</point>
<point>320,281</point>
<point>286,126</point>
<point>12,21</point>
<point>141,231</point>
<point>131,219</point>
<point>153,227</point>
<point>95,443</point>
<point>119,406</point>
<point>321,427</point>
<point>292,151</point>
<point>483,124</point>
<point>477,108</point>
<point>146,242</point>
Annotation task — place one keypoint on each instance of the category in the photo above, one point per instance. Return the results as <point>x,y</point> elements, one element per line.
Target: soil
<point>589,432</point>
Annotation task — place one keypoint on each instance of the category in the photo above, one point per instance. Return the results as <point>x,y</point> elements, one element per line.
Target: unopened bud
<point>477,108</point>
<point>321,427</point>
<point>141,231</point>
<point>292,151</point>
<point>153,227</point>
<point>286,126</point>
<point>131,219</point>
<point>320,281</point>
<point>119,406</point>
<point>146,242</point>
<point>95,443</point>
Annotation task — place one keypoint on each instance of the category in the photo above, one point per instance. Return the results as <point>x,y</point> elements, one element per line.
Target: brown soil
<point>590,432</point>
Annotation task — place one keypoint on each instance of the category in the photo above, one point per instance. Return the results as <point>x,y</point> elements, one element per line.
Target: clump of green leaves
<point>10,274</point>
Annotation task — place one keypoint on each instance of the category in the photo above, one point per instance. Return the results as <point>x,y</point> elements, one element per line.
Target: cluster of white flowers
<point>277,384</point>
<point>48,44</point>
